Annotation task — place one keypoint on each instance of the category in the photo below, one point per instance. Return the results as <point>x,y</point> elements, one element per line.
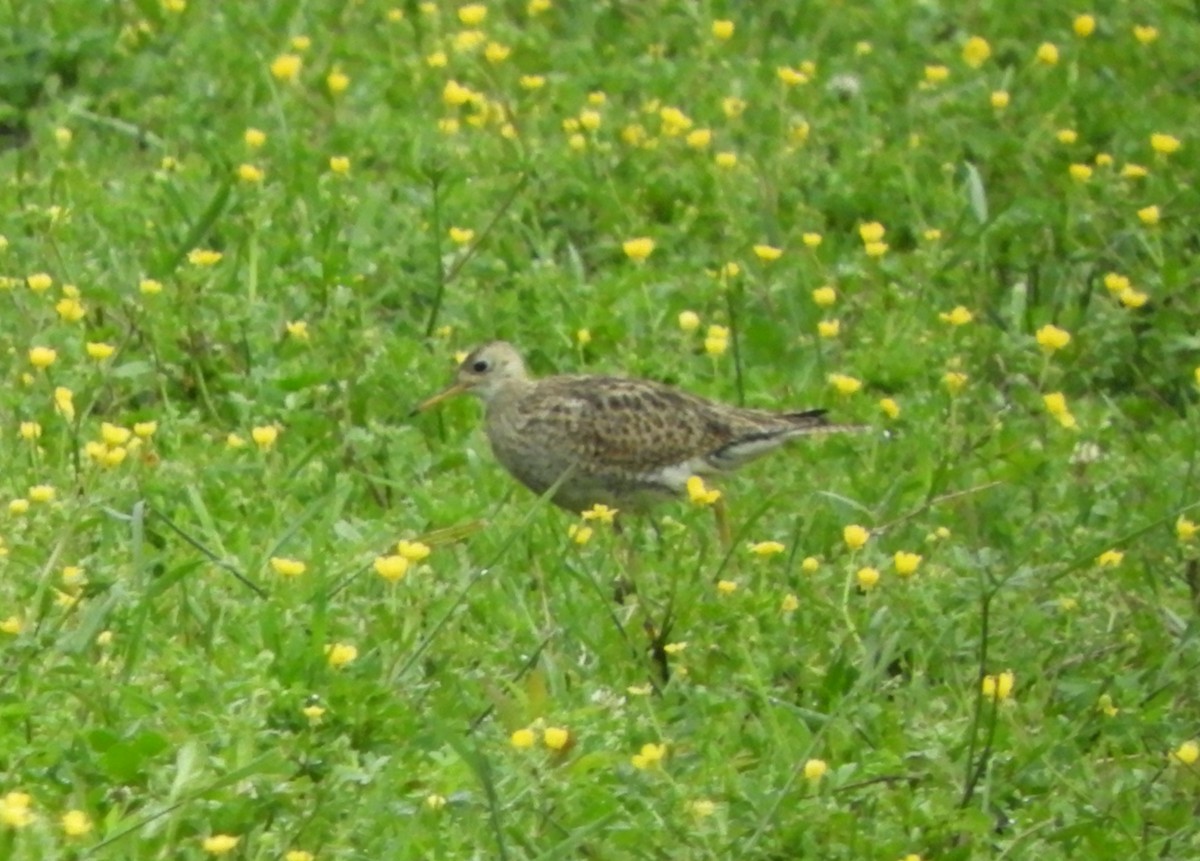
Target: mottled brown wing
<point>640,425</point>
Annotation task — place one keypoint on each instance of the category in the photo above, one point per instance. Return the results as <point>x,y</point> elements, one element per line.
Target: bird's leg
<point>721,516</point>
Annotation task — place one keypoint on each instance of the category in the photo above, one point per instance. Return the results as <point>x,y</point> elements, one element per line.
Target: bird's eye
<point>479,366</point>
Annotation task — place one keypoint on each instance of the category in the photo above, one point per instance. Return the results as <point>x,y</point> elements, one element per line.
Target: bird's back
<point>623,432</point>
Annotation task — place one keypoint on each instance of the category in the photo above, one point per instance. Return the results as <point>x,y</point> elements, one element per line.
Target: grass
<point>167,683</point>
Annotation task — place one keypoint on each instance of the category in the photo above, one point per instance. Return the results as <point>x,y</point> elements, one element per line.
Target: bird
<point>621,442</point>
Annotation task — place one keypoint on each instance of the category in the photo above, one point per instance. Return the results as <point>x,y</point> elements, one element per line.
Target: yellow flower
<point>931,234</point>
<point>764,549</point>
<point>339,164</point>
<point>590,120</point>
<point>220,844</point>
<point>1084,25</point>
<point>829,328</point>
<point>249,173</point>
<point>583,337</point>
<point>437,60</point>
<point>824,297</point>
<point>699,494</point>
<point>789,604</point>
<point>1149,215</point>
<point>254,138</point>
<point>936,74</point>
<point>1187,753</point>
<point>1080,172</point>
<point>39,282</point>
<point>700,139</point>
<point>791,77</point>
<point>30,430</point>
<point>70,309</point>
<point>810,565</point>
<point>461,235</point>
<point>1103,159</point>
<point>1105,706</point>
<point>522,739</point>
<point>999,687</point>
<point>811,240</point>
<point>1145,34</point>
<point>472,14</point>
<point>301,854</point>
<point>13,625</point>
<point>1051,338</point>
<point>868,578</point>
<point>1110,558</point>
<point>815,769</point>
<point>15,810</point>
<point>337,81</point>
<point>204,257</point>
<point>716,342</point>
<point>467,40</point>
<point>1164,144</point>
<point>76,823</point>
<point>18,506</point>
<point>340,654</point>
<point>64,402</point>
<point>233,440</point>
<point>532,82</point>
<point>733,107</point>
<point>300,42</point>
<point>638,249</point>
<point>1116,283</point>
<point>1047,54</point>
<point>98,350</point>
<point>727,587</point>
<point>600,512</point>
<point>495,52</point>
<point>556,738</point>
<point>1131,298</point>
<point>956,316</point>
<point>114,434</point>
<point>297,329</point>
<point>579,533</point>
<point>689,321</point>
<point>674,121</point>
<point>722,29</point>
<point>650,756</point>
<point>1000,99</point>
<point>286,67</point>
<point>767,253</point>
<point>145,430</point>
<point>1067,136</point>
<point>976,51</point>
<point>954,381</point>
<point>391,568</point>
<point>1185,530</point>
<point>1134,171</point>
<point>731,270</point>
<point>871,231</point>
<point>42,357</point>
<point>413,551</point>
<point>844,384</point>
<point>905,563</point>
<point>287,567</point>
<point>876,249</point>
<point>149,287</point>
<point>1056,403</point>
<point>855,536</point>
<point>264,436</point>
<point>890,408</point>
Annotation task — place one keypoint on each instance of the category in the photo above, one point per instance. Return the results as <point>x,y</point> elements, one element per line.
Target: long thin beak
<point>456,389</point>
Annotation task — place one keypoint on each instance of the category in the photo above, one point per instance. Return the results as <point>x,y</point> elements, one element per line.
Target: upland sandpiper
<point>612,440</point>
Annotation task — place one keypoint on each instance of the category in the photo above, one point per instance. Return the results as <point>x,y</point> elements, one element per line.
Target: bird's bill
<point>456,389</point>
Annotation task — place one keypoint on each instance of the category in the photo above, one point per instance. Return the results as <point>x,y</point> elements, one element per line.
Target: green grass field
<point>241,241</point>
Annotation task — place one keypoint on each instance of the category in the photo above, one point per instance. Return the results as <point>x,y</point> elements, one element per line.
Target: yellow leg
<point>721,515</point>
